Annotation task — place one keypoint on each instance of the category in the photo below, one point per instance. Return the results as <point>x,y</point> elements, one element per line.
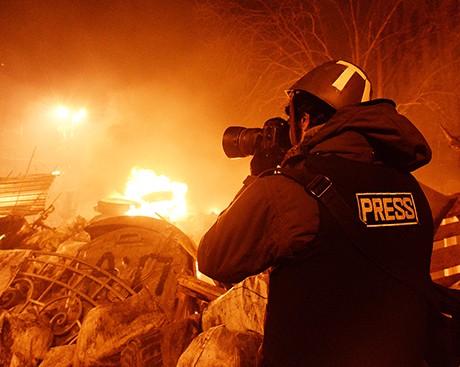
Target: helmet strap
<point>305,112</point>
<point>295,128</point>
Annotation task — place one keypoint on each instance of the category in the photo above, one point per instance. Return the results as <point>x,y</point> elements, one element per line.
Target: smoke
<point>170,131</point>
<point>155,94</point>
<point>159,89</point>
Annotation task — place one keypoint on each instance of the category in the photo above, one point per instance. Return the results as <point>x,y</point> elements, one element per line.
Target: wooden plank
<point>199,289</point>
<point>447,230</point>
<point>447,281</point>
<point>445,258</point>
<point>455,210</point>
<point>24,195</point>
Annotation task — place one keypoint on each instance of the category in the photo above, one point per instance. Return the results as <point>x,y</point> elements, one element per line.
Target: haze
<point>153,92</point>
<point>155,82</point>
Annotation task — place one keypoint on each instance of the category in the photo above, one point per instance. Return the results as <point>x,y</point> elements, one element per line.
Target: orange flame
<point>156,196</point>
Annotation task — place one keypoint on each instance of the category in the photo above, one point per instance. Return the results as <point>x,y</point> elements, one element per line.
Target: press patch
<point>387,209</point>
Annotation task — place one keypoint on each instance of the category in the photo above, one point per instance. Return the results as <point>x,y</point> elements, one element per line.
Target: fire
<point>156,195</point>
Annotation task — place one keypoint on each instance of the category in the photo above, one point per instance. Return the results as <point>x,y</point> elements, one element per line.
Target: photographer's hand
<point>266,159</point>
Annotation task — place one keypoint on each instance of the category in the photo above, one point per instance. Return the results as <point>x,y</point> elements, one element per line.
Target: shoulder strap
<point>321,188</point>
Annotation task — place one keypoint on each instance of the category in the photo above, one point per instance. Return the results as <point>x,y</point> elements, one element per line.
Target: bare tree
<point>283,39</point>
<point>410,49</point>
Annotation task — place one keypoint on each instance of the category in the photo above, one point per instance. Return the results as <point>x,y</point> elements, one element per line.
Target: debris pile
<point>119,291</point>
<point>123,291</point>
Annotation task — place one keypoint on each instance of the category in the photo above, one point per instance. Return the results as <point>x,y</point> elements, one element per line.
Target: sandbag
<point>222,347</point>
<point>241,308</point>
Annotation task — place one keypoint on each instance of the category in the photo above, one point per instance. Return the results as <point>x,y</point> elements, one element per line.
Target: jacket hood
<point>371,131</point>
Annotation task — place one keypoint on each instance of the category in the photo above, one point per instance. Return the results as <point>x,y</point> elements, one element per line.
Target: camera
<point>273,138</point>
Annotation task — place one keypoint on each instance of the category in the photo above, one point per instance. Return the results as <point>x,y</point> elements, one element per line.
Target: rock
<point>10,263</point>
<point>233,327</point>
<point>61,356</point>
<point>222,347</point>
<point>161,347</point>
<point>241,308</point>
<point>107,329</point>
<point>24,339</point>
<point>134,332</point>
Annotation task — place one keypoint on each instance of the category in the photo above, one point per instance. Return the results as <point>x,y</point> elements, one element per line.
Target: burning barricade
<point>123,290</point>
<point>118,290</point>
<point>115,297</point>
<point>127,297</point>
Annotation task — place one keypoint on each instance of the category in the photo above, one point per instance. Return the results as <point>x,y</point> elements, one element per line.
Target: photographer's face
<point>305,113</point>
<point>299,120</point>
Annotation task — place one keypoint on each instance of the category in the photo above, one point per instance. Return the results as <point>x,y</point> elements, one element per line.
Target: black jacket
<point>326,304</point>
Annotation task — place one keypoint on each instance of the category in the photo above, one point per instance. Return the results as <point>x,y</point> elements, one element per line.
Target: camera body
<point>271,139</point>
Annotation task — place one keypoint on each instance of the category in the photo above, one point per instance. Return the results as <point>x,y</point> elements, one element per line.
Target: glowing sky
<point>154,94</point>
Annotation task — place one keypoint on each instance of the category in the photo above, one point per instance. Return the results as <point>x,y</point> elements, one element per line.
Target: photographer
<point>328,304</point>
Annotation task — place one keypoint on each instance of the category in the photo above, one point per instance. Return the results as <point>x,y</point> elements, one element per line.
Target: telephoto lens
<point>239,142</point>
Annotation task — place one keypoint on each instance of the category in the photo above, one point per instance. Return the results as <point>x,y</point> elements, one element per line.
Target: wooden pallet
<point>445,260</point>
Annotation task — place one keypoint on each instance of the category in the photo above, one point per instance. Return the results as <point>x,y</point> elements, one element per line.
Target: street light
<point>79,115</point>
<point>68,118</point>
<point>62,112</point>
